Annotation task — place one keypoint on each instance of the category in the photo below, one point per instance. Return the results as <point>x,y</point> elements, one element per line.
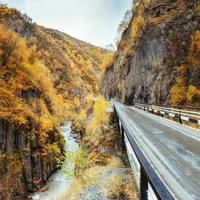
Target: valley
<point>65,105</point>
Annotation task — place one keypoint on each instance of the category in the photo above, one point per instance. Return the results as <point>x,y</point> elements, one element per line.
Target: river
<point>58,182</point>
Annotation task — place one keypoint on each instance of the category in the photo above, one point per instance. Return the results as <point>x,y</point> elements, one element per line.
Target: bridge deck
<point>173,149</point>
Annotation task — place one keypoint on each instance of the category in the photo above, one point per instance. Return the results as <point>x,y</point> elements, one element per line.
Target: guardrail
<point>149,179</point>
<point>180,114</point>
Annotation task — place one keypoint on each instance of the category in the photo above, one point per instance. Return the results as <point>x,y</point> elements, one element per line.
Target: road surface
<point>172,149</point>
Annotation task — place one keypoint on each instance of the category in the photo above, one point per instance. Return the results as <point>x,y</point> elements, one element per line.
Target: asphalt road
<point>173,150</point>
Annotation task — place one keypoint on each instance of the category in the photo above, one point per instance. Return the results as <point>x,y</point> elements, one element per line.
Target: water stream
<point>58,182</point>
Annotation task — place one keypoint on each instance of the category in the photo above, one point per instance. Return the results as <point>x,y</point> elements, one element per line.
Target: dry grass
<point>113,186</point>
<point>118,188</point>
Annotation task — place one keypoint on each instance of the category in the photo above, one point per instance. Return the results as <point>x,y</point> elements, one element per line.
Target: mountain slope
<point>43,72</point>
<point>157,60</point>
<point>61,53</point>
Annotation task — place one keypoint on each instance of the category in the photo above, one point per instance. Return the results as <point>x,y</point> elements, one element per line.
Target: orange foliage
<point>108,60</point>
<point>44,78</point>
<point>26,89</point>
<point>195,50</point>
<point>193,94</point>
<point>183,92</point>
<point>178,92</point>
<point>100,117</point>
<point>137,27</point>
<point>12,51</point>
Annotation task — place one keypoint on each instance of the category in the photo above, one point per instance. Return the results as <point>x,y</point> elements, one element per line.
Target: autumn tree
<point>108,60</point>
<point>99,122</point>
<point>125,22</point>
<point>178,92</point>
<point>186,89</point>
<point>80,162</point>
<point>12,49</point>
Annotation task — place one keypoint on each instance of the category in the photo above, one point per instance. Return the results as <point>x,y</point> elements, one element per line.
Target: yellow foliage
<point>46,122</point>
<point>198,6</point>
<point>27,91</point>
<point>146,2</point>
<point>195,50</point>
<point>52,149</point>
<point>67,106</point>
<point>193,94</point>
<point>79,120</point>
<point>108,60</point>
<point>182,92</point>
<point>82,115</point>
<point>81,162</point>
<point>178,92</point>
<point>137,26</point>
<point>12,107</point>
<point>57,50</point>
<point>76,102</point>
<point>100,120</point>
<point>89,99</point>
<point>13,50</point>
<point>100,110</point>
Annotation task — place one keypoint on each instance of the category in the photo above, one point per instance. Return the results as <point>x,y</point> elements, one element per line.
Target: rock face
<point>19,140</point>
<point>150,69</point>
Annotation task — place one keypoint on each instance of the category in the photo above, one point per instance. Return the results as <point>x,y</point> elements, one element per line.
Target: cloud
<point>14,3</point>
<point>94,21</point>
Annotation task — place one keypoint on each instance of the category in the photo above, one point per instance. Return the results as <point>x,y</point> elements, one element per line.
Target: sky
<point>93,21</point>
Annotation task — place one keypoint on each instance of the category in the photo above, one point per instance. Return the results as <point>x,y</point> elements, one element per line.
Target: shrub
<point>108,60</point>
<point>183,92</point>
<point>78,163</point>
<point>100,117</point>
<point>178,92</point>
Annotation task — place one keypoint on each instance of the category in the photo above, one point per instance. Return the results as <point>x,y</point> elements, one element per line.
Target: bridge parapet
<point>150,185</point>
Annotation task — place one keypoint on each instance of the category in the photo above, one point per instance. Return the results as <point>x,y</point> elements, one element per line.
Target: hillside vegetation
<point>44,76</point>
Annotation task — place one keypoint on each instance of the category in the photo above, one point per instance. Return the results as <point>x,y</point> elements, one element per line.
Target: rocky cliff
<point>155,60</point>
<point>21,143</point>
